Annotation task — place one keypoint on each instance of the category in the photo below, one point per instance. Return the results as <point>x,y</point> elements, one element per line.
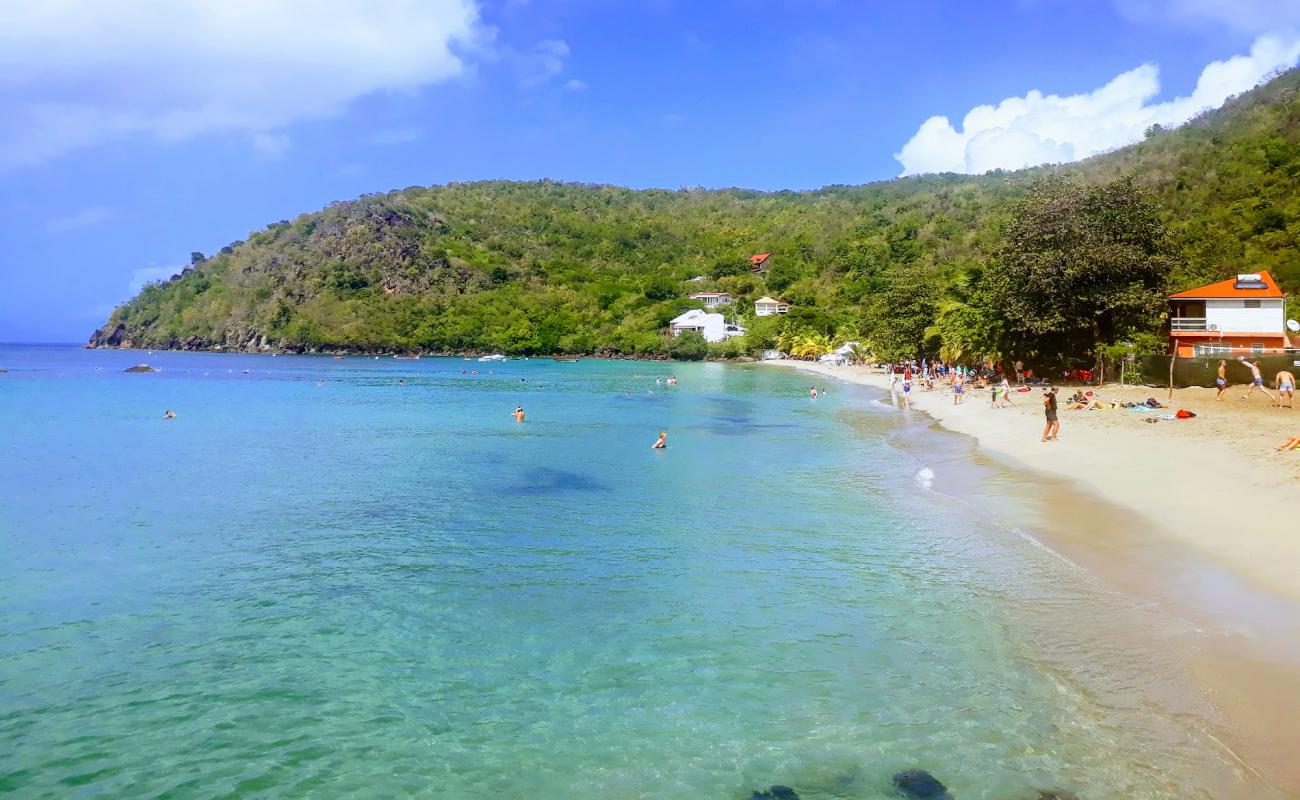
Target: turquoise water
<point>359,588</point>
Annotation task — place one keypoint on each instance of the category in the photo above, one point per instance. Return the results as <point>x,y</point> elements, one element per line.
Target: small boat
<point>493,357</point>
<point>407,358</point>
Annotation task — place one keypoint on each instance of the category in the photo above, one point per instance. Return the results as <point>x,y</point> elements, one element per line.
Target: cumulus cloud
<point>77,72</point>
<point>1044,129</point>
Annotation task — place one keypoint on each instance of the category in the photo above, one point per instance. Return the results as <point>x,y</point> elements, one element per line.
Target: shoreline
<point>1135,506</point>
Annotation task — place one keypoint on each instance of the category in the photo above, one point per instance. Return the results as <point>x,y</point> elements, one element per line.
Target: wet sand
<point>1192,517</point>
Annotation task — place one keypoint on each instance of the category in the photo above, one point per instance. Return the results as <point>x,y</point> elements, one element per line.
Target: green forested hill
<point>907,264</point>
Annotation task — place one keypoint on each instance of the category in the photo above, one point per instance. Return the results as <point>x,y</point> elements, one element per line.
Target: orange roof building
<point>1244,314</point>
<point>759,261</point>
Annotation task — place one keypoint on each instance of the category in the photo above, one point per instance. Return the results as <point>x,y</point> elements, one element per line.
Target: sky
<point>133,132</point>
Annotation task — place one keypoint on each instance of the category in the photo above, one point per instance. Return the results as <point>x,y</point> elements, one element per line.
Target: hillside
<point>547,267</point>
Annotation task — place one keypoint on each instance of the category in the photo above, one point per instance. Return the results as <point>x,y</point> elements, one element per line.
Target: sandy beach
<point>1195,514</point>
<point>1214,482</point>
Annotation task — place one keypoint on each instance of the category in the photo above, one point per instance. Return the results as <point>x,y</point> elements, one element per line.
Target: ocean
<point>362,578</point>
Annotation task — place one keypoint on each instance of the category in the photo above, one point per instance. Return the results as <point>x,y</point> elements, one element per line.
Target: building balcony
<point>1187,324</point>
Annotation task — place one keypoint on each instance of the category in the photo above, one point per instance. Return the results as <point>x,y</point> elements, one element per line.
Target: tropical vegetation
<point>1053,263</point>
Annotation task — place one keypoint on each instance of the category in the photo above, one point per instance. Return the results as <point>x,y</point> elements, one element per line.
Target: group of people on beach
<point>1283,382</point>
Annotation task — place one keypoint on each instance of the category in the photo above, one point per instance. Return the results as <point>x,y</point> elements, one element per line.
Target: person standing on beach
<point>958,388</point>
<point>1284,381</point>
<point>1222,380</point>
<point>1020,372</point>
<point>1049,410</point>
<point>1257,381</point>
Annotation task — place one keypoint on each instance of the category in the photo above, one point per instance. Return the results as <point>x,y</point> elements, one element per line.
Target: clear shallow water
<point>366,589</point>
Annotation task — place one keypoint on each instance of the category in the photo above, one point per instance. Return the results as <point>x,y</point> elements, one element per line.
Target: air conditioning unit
<point>1212,327</point>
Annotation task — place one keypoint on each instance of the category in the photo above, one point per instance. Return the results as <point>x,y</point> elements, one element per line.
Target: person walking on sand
<point>1222,380</point>
<point>1284,382</point>
<point>662,442</point>
<point>1049,410</point>
<point>1004,399</point>
<point>958,388</point>
<point>518,414</point>
<point>1257,381</point>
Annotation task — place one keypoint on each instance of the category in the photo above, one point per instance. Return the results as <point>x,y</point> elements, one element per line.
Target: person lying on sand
<point>1290,444</point>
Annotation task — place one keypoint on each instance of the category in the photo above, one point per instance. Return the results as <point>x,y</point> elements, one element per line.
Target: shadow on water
<point>555,481</point>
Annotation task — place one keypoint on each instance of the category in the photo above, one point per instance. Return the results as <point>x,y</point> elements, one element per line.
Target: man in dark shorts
<point>1222,380</point>
<point>1049,410</point>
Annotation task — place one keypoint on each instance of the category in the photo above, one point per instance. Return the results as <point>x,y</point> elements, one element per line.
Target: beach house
<point>760,261</point>
<point>713,299</point>
<point>1239,315</point>
<point>713,327</point>
<point>767,307</point>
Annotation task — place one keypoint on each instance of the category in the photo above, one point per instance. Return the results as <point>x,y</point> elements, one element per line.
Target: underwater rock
<point>918,784</point>
<point>777,792</point>
<point>140,368</point>
<point>1056,794</point>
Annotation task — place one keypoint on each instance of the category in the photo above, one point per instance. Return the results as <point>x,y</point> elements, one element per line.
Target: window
<point>1251,303</point>
<point>1257,349</point>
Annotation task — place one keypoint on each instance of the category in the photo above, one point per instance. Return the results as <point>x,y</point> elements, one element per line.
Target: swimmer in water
<point>813,392</point>
<point>662,442</point>
<point>170,414</point>
<point>518,414</point>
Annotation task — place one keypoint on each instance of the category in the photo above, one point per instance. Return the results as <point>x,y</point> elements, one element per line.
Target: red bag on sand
<point>1183,413</point>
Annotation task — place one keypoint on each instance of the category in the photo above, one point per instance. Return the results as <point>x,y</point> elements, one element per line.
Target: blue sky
<point>130,137</point>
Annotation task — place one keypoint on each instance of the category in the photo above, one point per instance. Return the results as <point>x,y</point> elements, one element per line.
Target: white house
<point>767,307</point>
<point>1241,314</point>
<point>713,299</point>
<point>713,327</point>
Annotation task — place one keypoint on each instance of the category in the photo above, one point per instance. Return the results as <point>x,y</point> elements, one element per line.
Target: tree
<point>1080,266</point>
<point>197,258</point>
<point>688,346</point>
<point>900,313</point>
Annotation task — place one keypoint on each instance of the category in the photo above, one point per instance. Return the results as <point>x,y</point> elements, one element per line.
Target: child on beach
<point>1222,380</point>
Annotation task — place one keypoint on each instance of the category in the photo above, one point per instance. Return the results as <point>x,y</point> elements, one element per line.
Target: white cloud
<point>85,218</point>
<point>542,62</point>
<point>575,85</point>
<point>77,72</point>
<point>1043,129</point>
<point>139,277</point>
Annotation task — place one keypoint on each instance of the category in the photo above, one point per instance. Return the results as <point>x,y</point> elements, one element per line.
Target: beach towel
<point>1166,416</point>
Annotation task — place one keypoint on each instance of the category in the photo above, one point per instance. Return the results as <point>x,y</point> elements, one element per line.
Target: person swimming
<point>662,442</point>
<point>518,414</point>
<point>170,414</point>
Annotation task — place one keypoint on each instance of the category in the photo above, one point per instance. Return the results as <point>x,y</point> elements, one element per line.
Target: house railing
<point>1187,324</point>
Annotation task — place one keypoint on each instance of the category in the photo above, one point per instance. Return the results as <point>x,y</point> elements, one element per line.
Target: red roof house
<point>1241,314</point>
